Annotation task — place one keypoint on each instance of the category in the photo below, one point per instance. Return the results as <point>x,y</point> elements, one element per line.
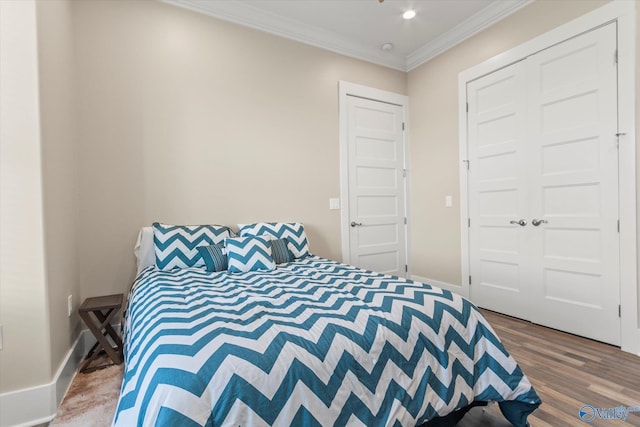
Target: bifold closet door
<point>565,179</point>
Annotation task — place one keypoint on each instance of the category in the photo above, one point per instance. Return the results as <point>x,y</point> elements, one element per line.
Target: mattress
<point>314,343</point>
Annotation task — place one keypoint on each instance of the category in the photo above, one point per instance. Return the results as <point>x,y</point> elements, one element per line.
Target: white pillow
<point>144,249</point>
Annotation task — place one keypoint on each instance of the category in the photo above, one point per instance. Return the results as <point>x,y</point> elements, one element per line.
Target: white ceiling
<point>359,28</point>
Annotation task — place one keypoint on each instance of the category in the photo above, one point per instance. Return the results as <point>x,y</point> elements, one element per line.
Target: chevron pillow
<point>176,245</point>
<point>292,231</point>
<point>251,253</point>
<point>214,256</point>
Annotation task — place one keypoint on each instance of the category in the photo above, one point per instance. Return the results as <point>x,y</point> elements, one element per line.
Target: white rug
<point>91,399</point>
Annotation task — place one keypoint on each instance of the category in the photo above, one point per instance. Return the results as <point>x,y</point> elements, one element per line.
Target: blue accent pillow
<point>280,252</point>
<point>250,253</point>
<point>214,256</point>
<point>176,245</point>
<point>292,231</point>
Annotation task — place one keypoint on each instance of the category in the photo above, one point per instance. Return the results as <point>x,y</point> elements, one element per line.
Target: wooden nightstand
<point>104,309</point>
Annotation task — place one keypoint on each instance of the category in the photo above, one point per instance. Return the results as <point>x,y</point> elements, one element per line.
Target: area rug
<point>91,399</point>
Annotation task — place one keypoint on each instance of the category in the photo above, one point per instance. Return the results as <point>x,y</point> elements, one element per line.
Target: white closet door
<point>376,186</point>
<point>498,196</point>
<point>556,121</point>
<point>574,185</point>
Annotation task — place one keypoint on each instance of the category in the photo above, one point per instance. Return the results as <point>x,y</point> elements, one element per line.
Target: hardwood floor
<point>568,372</point>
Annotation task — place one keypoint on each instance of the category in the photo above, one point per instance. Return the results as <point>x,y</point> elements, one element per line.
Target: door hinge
<point>619,310</point>
<point>468,163</point>
<point>406,268</point>
<point>615,56</point>
<point>404,173</point>
<point>468,222</point>
<point>402,125</point>
<point>469,280</point>
<point>467,107</point>
<point>405,220</point>
<point>618,226</point>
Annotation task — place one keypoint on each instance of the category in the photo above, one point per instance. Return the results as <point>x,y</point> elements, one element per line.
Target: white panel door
<point>542,149</point>
<point>572,130</point>
<point>376,186</point>
<point>498,196</point>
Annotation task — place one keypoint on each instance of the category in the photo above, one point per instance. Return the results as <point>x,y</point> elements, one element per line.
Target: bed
<point>309,342</point>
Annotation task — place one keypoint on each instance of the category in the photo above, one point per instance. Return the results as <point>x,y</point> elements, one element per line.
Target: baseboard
<point>38,405</point>
<point>28,407</point>
<point>68,369</point>
<point>460,290</point>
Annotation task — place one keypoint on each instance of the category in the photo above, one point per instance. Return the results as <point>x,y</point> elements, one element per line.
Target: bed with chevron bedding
<point>310,342</point>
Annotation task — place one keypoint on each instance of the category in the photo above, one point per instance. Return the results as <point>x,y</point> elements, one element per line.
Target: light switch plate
<point>334,204</point>
<point>448,201</point>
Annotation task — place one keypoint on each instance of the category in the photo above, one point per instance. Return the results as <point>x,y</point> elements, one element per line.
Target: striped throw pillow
<point>280,251</point>
<point>214,256</point>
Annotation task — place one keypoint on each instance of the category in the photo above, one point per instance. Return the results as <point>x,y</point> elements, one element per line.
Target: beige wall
<point>24,358</point>
<point>39,192</point>
<point>59,172</point>
<point>187,119</point>
<point>434,161</point>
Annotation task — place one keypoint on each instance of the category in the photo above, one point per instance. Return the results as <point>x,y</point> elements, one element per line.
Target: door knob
<point>521,223</point>
<point>537,222</point>
<point>355,224</point>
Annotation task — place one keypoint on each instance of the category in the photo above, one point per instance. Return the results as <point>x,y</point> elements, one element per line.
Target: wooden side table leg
<point>97,330</point>
<point>109,329</point>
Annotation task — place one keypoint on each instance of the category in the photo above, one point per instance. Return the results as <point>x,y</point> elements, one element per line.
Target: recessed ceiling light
<point>409,14</point>
<point>387,47</point>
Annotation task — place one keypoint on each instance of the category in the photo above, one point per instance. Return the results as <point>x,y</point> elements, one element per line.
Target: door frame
<point>623,13</point>
<point>346,89</point>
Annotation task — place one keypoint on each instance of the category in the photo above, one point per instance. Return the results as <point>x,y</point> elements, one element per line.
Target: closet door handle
<point>521,223</point>
<point>537,222</point>
<point>355,224</point>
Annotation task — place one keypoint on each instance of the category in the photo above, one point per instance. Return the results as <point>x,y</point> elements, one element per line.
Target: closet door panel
<point>497,191</point>
<point>572,124</point>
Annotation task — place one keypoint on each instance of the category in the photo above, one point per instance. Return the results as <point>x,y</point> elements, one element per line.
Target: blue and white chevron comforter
<point>312,343</point>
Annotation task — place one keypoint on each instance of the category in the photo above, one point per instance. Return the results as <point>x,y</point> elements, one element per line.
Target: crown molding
<point>488,16</point>
<point>252,17</point>
<point>246,15</point>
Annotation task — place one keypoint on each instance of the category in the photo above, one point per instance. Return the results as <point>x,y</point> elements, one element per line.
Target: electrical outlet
<point>69,305</point>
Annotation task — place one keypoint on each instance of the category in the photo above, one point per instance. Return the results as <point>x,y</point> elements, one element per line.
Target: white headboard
<point>145,253</point>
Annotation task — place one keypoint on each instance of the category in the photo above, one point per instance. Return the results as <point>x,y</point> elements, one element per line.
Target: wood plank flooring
<point>568,372</point>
